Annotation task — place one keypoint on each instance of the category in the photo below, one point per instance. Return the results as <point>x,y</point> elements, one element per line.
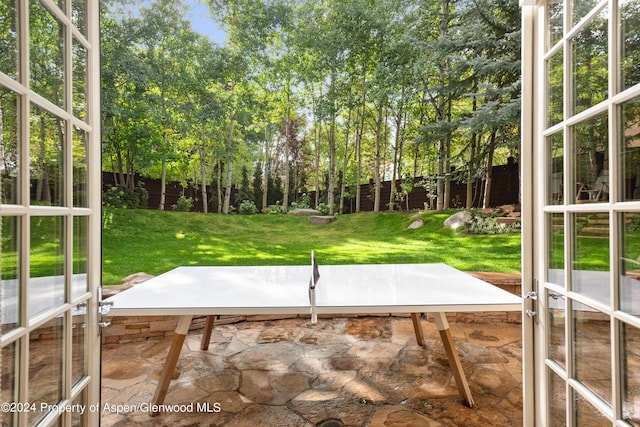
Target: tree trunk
<point>379,120</point>
<point>487,184</point>
<point>285,196</point>
<point>397,147</point>
<point>332,149</point>
<point>318,134</point>
<point>203,175</point>
<point>344,162</point>
<point>227,192</point>
<point>359,140</point>
<point>219,186</point>
<point>265,172</point>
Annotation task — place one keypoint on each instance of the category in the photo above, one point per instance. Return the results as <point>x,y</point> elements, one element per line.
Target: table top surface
<point>365,289</point>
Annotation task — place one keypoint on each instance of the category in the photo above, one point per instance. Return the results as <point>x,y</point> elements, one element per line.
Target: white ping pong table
<point>341,289</point>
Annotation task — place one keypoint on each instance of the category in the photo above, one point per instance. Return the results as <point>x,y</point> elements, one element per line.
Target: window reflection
<point>586,414</point>
<point>45,367</point>
<point>8,39</point>
<point>589,53</point>
<point>8,380</point>
<point>555,160</point>
<point>555,16</point>
<point>557,401</point>
<point>9,285</point>
<point>9,154</point>
<point>556,321</point>
<point>592,349</point>
<point>590,161</point>
<point>80,253</point>
<point>590,267</point>
<point>555,227</point>
<point>631,380</point>
<point>79,15</point>
<point>47,159</point>
<point>79,53</point>
<point>581,8</point>
<point>80,141</point>
<point>630,43</point>
<point>630,262</point>
<point>79,331</point>
<point>554,89</point>
<point>630,149</point>
<point>46,49</point>
<point>46,264</point>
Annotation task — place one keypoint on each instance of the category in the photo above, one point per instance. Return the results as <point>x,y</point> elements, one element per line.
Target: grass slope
<point>157,241</point>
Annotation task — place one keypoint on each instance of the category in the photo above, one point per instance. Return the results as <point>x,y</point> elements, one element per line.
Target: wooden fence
<point>504,190</point>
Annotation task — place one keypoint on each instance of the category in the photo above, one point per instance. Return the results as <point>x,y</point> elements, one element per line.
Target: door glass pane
<point>555,274</point>
<point>581,8</point>
<point>47,165</point>
<point>590,268</point>
<point>555,98</point>
<point>9,154</point>
<point>556,322</point>
<point>80,139</point>
<point>79,15</point>
<point>631,375</point>
<point>557,401</point>
<point>586,414</point>
<point>45,367</point>
<point>630,147</point>
<point>46,269</point>
<point>79,59</point>
<point>555,17</point>
<point>9,284</point>
<point>80,254</point>
<point>8,39</point>
<point>630,263</point>
<point>47,54</point>
<point>589,61</point>
<point>630,46</point>
<point>8,380</point>
<point>78,419</point>
<point>590,163</point>
<point>79,360</point>
<point>555,159</point>
<point>592,349</point>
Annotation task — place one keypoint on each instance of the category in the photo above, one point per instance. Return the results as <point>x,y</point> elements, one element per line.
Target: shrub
<point>634,225</point>
<point>184,204</point>
<point>486,224</point>
<point>303,203</point>
<point>118,196</point>
<point>273,209</point>
<point>323,208</point>
<point>247,207</point>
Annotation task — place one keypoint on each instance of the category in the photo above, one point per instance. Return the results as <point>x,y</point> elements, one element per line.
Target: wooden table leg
<point>417,328</point>
<point>206,334</point>
<point>454,359</point>
<point>172,359</point>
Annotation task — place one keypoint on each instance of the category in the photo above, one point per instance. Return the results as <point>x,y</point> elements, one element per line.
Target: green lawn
<point>157,241</point>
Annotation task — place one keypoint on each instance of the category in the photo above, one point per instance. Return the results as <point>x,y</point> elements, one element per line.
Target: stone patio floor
<point>361,371</point>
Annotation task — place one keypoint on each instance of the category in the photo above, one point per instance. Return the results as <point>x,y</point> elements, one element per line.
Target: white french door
<point>50,207</point>
<point>581,137</point>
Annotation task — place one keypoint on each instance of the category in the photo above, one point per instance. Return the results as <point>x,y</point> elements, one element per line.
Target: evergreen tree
<point>257,184</point>
<point>245,191</point>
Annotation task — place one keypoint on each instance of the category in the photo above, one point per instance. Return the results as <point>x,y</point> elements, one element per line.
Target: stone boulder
<point>457,220</point>
<point>416,224</point>
<point>318,219</point>
<point>304,212</point>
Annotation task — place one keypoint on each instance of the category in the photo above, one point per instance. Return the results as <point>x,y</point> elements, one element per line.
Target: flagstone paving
<point>365,371</point>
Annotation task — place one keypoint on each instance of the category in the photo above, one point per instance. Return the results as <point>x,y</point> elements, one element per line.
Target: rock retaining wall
<point>139,328</point>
